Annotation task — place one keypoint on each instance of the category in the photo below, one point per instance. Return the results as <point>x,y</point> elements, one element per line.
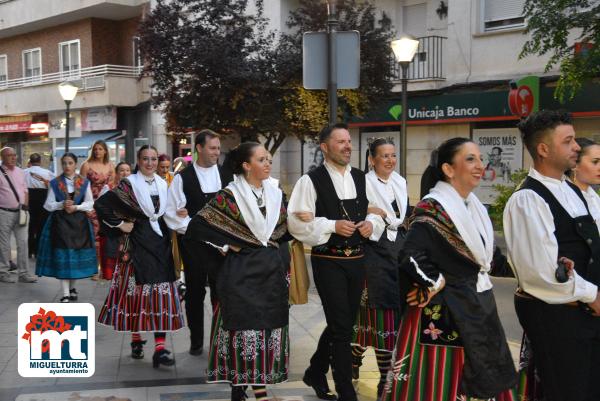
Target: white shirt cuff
<point>584,290</point>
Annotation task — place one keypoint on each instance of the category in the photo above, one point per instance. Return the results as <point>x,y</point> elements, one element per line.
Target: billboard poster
<point>367,137</point>
<point>313,156</point>
<point>502,152</point>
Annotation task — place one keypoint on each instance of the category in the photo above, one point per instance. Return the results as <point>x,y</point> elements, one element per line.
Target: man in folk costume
<point>190,190</point>
<point>547,221</point>
<point>338,196</point>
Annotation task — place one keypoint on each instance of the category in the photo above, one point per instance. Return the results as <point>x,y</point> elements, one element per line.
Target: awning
<point>82,145</point>
<point>15,123</point>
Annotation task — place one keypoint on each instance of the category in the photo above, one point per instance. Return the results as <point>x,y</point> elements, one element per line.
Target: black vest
<point>330,206</point>
<point>577,238</point>
<point>195,197</point>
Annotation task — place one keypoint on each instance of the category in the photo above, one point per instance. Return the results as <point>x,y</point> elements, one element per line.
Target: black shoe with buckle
<point>238,393</point>
<point>319,385</point>
<point>196,349</point>
<point>73,294</point>
<point>65,299</point>
<point>162,358</point>
<point>137,349</point>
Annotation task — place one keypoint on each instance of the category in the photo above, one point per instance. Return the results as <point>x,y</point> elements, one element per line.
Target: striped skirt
<point>377,328</point>
<point>425,372</point>
<point>140,307</point>
<point>243,357</point>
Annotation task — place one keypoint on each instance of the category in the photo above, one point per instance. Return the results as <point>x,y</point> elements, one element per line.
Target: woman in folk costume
<point>451,344</point>
<point>247,221</point>
<point>66,248</point>
<point>585,174</point>
<point>142,294</point>
<point>381,304</point>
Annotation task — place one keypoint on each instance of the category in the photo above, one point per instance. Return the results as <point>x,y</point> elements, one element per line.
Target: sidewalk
<point>118,377</point>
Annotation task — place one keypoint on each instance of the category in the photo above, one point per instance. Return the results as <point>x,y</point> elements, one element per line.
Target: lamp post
<point>332,25</point>
<point>404,50</point>
<point>68,91</point>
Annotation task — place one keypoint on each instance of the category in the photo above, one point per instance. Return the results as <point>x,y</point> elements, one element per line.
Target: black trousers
<point>199,265</point>
<point>339,284</point>
<point>566,349</point>
<point>37,217</point>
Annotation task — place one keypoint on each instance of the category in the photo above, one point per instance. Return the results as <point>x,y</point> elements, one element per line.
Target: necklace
<point>259,199</point>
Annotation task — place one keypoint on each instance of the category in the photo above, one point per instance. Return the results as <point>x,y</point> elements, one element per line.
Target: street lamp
<point>68,91</point>
<point>404,50</point>
<point>332,24</point>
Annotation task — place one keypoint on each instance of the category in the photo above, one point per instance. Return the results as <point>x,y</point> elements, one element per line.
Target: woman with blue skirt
<point>66,249</point>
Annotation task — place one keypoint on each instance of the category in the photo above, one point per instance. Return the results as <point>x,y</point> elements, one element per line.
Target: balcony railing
<point>428,62</point>
<point>89,78</point>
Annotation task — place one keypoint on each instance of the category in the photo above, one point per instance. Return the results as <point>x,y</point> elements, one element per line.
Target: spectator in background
<point>164,168</point>
<point>38,179</point>
<point>13,197</point>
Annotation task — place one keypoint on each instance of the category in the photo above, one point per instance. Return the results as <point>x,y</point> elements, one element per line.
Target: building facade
<point>91,43</point>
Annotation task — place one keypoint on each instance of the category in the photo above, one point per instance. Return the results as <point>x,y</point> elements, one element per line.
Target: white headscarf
<point>141,190</point>
<point>398,185</point>
<point>473,224</point>
<point>262,227</point>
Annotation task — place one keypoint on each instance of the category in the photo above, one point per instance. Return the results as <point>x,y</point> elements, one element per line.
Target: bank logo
<point>524,96</point>
<point>56,340</point>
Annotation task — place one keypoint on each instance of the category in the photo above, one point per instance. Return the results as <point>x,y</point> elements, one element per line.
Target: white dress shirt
<point>33,182</point>
<point>593,201</point>
<point>52,205</point>
<point>304,197</point>
<point>532,246</point>
<point>210,182</point>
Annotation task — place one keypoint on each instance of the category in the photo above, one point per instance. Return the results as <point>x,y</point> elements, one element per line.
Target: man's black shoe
<point>320,386</point>
<point>196,350</point>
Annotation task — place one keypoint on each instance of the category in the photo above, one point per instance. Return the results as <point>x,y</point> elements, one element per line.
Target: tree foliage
<point>555,26</point>
<point>215,65</point>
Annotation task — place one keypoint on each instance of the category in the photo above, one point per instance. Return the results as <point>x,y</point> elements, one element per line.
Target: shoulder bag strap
<point>11,184</point>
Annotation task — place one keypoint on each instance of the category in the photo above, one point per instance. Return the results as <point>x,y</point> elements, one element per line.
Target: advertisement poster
<point>502,152</point>
<point>313,156</point>
<point>57,123</point>
<point>99,119</point>
<point>367,137</point>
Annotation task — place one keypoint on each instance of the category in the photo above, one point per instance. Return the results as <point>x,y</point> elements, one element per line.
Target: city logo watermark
<point>56,340</point>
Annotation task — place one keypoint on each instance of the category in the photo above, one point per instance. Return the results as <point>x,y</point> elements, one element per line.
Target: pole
<point>67,115</point>
<point>403,132</point>
<point>332,24</point>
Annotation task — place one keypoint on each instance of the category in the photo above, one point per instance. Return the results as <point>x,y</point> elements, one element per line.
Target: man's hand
<point>345,228</point>
<point>595,306</point>
<point>306,217</point>
<point>377,211</point>
<point>126,227</point>
<point>182,213</point>
<point>365,228</point>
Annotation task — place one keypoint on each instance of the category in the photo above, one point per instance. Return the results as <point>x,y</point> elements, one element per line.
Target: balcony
<point>428,63</point>
<point>116,85</point>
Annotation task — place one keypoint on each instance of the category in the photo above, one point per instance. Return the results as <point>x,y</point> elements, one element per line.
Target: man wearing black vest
<point>328,211</point>
<point>189,192</point>
<point>546,221</point>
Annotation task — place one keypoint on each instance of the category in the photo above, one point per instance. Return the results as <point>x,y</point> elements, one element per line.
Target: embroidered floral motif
<point>437,325</point>
<point>433,331</point>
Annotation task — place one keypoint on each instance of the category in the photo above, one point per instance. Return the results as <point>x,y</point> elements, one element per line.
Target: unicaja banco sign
<point>56,340</point>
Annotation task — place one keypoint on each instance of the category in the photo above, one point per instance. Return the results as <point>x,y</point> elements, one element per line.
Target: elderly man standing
<point>37,179</point>
<point>13,195</point>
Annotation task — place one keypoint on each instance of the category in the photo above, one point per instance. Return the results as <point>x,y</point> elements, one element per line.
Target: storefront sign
<point>57,125</point>
<point>502,152</point>
<point>15,123</point>
<point>99,119</point>
<point>524,96</point>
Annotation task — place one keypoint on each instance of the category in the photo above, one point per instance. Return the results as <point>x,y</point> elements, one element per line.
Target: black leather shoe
<point>196,350</point>
<point>162,358</point>
<point>356,364</point>
<point>73,294</point>
<point>238,393</point>
<point>319,385</point>
<point>137,349</point>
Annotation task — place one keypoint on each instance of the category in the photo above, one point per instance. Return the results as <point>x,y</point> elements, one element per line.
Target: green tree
<point>554,27</point>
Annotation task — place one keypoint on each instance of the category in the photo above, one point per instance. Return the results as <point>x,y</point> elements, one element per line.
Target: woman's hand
<point>420,296</point>
<point>182,213</point>
<point>306,217</point>
<point>126,227</point>
<point>377,211</point>
<point>234,248</point>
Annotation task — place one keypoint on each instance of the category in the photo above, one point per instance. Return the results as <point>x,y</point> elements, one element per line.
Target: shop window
<point>502,14</point>
<point>32,64</point>
<point>69,55</point>
<point>3,70</point>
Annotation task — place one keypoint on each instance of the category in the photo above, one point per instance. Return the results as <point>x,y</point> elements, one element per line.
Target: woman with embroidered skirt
<point>66,249</point>
<point>381,305</point>
<point>585,174</point>
<point>247,221</point>
<point>451,344</point>
<point>142,294</point>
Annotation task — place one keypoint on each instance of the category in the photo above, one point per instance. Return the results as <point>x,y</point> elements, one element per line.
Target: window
<point>3,70</point>
<point>137,56</point>
<point>70,61</point>
<point>32,64</point>
<point>414,21</point>
<point>502,14</point>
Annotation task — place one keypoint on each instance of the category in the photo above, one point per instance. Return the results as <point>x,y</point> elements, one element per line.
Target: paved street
<point>120,378</point>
